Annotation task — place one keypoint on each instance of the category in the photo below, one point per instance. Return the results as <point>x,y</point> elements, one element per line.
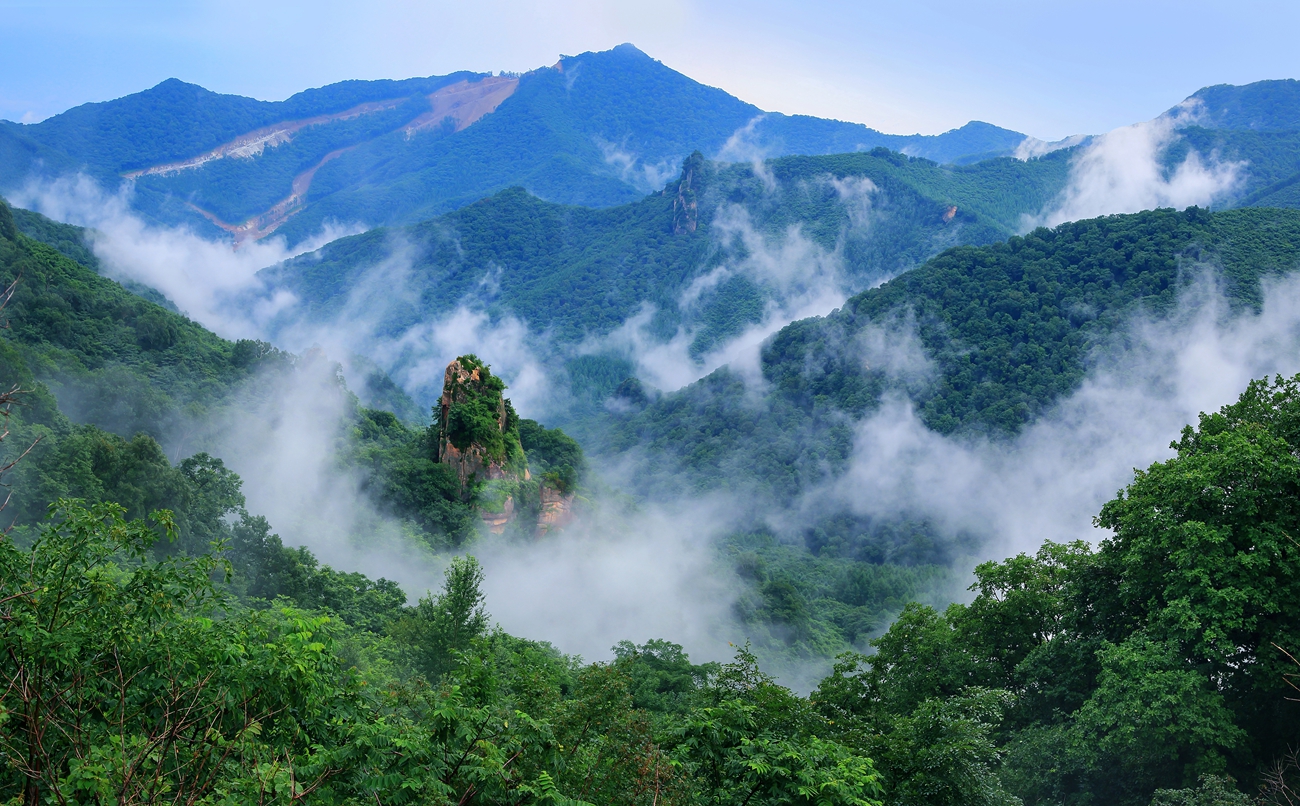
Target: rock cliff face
<point>470,400</point>
<point>478,438</point>
<point>686,207</point>
<point>556,511</point>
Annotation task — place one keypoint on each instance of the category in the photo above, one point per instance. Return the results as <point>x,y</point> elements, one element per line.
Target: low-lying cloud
<point>205,279</point>
<point>1123,172</point>
<point>1051,480</point>
<point>1032,148</point>
<point>644,176</point>
<point>281,434</point>
<point>744,146</point>
<point>621,575</point>
<point>800,278</point>
<point>651,572</point>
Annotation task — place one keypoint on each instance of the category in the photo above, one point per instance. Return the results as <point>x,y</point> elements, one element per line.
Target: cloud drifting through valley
<point>1123,172</point>
<point>649,571</point>
<point>1049,482</point>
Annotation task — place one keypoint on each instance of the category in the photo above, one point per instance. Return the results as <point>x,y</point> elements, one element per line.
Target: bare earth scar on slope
<point>464,103</point>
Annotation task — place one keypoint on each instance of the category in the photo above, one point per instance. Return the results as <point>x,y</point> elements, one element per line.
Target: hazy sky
<point>1046,68</point>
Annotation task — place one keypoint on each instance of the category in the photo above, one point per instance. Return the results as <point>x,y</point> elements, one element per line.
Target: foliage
<point>1005,332</point>
<point>1123,673</point>
<point>477,409</point>
<point>129,679</point>
<point>122,684</point>
<point>438,628</point>
<point>600,129</point>
<point>1260,106</point>
<point>552,454</point>
<point>113,358</point>
<point>754,742</point>
<point>175,120</point>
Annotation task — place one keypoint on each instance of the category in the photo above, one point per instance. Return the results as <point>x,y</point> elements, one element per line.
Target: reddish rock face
<point>556,510</point>
<point>471,464</point>
<point>474,464</point>
<point>497,521</point>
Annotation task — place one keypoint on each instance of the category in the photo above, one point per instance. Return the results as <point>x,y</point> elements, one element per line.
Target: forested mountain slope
<point>1261,106</point>
<point>1008,329</point>
<point>1152,668</point>
<point>596,129</point>
<point>708,254</point>
<point>175,120</point>
<point>115,384</point>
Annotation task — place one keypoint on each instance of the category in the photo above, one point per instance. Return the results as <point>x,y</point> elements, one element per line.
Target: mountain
<point>1261,106</point>
<point>597,129</point>
<point>1009,329</point>
<point>175,120</point>
<point>699,255</point>
<point>1038,686</point>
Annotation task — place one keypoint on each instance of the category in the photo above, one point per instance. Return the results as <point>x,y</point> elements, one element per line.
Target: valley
<point>715,455</point>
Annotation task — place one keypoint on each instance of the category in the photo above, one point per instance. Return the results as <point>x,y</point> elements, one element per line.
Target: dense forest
<point>850,220</point>
<point>1152,669</point>
<point>1009,329</point>
<point>163,643</point>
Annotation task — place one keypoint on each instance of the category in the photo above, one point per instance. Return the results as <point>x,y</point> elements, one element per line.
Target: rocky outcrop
<point>556,510</point>
<point>479,441</point>
<point>495,521</point>
<point>469,392</point>
<point>686,207</point>
<point>478,438</point>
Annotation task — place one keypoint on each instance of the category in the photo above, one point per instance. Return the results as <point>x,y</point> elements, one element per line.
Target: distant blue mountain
<point>597,129</point>
<point>1262,106</point>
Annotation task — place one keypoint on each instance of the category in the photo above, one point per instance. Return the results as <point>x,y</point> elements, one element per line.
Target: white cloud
<point>801,278</point>
<point>743,146</point>
<point>615,575</point>
<point>1032,148</point>
<point>1122,172</point>
<point>632,169</point>
<point>210,281</point>
<point>1050,481</point>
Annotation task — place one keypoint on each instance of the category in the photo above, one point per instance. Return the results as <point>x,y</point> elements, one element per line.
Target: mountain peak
<point>628,49</point>
<point>1271,105</point>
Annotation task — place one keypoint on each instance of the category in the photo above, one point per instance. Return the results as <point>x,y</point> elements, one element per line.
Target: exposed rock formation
<point>469,391</point>
<point>686,207</point>
<point>556,510</point>
<point>478,438</point>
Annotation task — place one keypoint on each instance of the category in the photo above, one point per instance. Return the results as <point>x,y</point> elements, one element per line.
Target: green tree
<point>1205,561</point>
<point>751,741</point>
<point>121,681</point>
<point>442,625</point>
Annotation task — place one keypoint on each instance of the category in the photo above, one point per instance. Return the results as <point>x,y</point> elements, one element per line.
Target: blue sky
<point>1049,69</point>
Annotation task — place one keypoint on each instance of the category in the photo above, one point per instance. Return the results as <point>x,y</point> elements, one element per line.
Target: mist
<point>801,279</point>
<point>743,146</point>
<point>622,574</point>
<point>1032,148</point>
<point>282,435</point>
<point>416,355</point>
<point>1123,172</point>
<point>631,168</point>
<point>203,278</point>
<point>652,570</point>
<point>1147,382</point>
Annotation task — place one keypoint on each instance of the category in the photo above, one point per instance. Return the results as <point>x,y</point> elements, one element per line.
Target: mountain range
<point>810,375</point>
<point>597,129</point>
